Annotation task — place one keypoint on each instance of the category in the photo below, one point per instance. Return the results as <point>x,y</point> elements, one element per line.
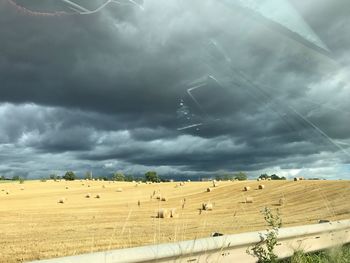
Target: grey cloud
<point>107,88</point>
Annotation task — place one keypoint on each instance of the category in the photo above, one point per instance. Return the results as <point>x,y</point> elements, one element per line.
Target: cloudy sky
<point>186,88</point>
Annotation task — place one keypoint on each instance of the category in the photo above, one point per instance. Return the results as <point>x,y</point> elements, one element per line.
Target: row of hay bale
<point>298,178</point>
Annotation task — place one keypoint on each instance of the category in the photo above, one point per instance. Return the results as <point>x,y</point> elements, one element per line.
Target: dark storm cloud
<point>102,91</point>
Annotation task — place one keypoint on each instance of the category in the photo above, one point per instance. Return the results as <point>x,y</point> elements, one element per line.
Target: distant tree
<point>152,176</point>
<point>129,178</point>
<point>276,177</point>
<point>225,177</point>
<point>69,176</point>
<point>88,175</point>
<point>103,178</point>
<point>264,176</point>
<point>118,176</point>
<point>53,176</point>
<point>15,178</point>
<point>21,180</point>
<point>241,176</point>
<point>58,177</point>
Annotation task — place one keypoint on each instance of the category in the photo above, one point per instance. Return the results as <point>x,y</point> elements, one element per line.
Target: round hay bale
<point>164,213</point>
<point>282,201</point>
<point>22,188</point>
<point>98,196</point>
<point>259,179</point>
<point>119,190</point>
<point>158,196</point>
<point>188,180</point>
<point>215,184</point>
<point>88,195</point>
<point>182,183</point>
<point>103,186</point>
<point>88,185</point>
<point>268,179</point>
<point>67,187</point>
<point>261,186</point>
<point>209,189</point>
<point>246,188</point>
<point>249,199</point>
<point>61,200</point>
<point>7,192</point>
<point>263,179</point>
<point>173,213</point>
<point>164,199</point>
<point>296,178</point>
<point>207,206</point>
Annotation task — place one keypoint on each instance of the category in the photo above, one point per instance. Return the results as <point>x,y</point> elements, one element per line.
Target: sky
<point>186,88</point>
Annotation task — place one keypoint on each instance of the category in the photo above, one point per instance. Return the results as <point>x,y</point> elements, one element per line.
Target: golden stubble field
<point>33,225</point>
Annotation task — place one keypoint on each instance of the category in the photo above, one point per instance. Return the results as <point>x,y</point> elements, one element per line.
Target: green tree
<point>264,176</point>
<point>15,178</point>
<point>129,178</point>
<point>152,176</point>
<point>69,176</point>
<point>88,175</point>
<point>241,176</point>
<point>118,176</point>
<point>53,176</point>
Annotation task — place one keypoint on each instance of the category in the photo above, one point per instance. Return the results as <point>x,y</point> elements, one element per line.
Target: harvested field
<point>34,225</point>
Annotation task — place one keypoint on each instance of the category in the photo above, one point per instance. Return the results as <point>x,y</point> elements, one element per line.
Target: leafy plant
<point>263,250</point>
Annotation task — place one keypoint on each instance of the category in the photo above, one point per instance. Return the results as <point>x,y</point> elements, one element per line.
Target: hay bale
<point>261,186</point>
<point>88,185</point>
<point>246,188</point>
<point>158,196</point>
<point>164,199</point>
<point>209,189</point>
<point>188,180</point>
<point>164,213</point>
<point>67,187</point>
<point>268,179</point>
<point>98,196</point>
<point>215,184</point>
<point>22,188</point>
<point>88,195</point>
<point>249,199</point>
<point>296,179</point>
<point>173,213</point>
<point>119,190</point>
<point>7,192</point>
<point>61,200</point>
<point>259,179</point>
<point>282,201</point>
<point>182,183</point>
<point>263,179</point>
<point>103,186</point>
<point>207,206</point>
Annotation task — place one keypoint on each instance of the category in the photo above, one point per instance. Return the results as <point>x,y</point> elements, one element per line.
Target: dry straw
<point>261,186</point>
<point>209,189</point>
<point>246,188</point>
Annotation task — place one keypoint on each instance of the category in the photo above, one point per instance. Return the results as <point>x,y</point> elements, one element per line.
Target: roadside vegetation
<point>263,250</point>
